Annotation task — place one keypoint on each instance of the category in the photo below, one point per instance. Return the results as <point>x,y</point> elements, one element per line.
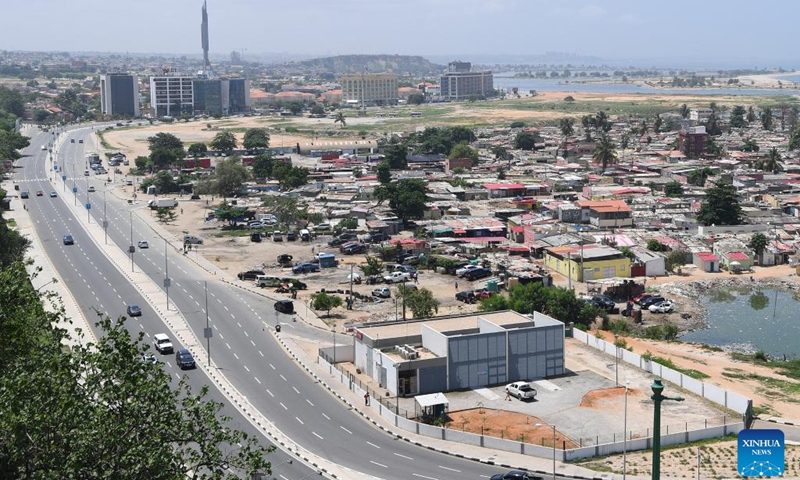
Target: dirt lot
<point>505,424</point>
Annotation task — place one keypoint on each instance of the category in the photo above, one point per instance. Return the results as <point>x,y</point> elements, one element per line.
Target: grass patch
<point>587,462</point>
<point>11,223</point>
<point>774,387</point>
<point>103,141</point>
<point>696,374</point>
<point>764,410</point>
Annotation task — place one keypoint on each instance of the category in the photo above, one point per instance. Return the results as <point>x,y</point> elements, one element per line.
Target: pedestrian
<point>508,396</point>
<point>366,399</point>
<point>312,249</point>
<point>416,277</point>
<point>456,285</point>
<point>181,211</point>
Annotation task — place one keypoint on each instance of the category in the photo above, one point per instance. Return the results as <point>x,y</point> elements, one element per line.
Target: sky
<point>744,33</point>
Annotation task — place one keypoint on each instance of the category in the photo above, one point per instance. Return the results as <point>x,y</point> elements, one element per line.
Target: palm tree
<point>340,120</point>
<point>772,162</point>
<point>605,152</point>
<point>567,126</point>
<point>684,111</point>
<point>766,118</point>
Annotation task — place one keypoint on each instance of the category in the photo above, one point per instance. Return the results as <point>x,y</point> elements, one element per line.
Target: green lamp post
<point>657,397</point>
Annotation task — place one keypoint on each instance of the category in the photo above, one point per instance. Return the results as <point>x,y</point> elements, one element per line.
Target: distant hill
<point>343,64</point>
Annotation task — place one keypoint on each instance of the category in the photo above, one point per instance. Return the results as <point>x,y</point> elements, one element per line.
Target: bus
<point>416,114</point>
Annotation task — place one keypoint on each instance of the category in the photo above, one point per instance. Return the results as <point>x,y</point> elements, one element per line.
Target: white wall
<point>434,341</point>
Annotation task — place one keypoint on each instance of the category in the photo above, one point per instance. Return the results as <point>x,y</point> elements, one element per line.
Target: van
<point>305,235</point>
<point>192,239</point>
<point>267,281</point>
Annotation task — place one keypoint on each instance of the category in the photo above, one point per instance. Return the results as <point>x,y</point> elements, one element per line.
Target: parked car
<point>663,307</point>
<point>342,239</point>
<point>322,227</point>
<point>162,343</point>
<point>604,302</point>
<point>405,268</point>
<point>306,267</point>
<point>382,292</point>
<point>354,249</point>
<point>482,293</point>
<point>638,299</point>
<point>408,259</point>
<point>477,274</point>
<point>134,311</point>
<point>68,240</point>
<point>651,301</point>
<point>277,236</point>
<point>515,475</point>
<point>397,277</point>
<point>291,236</point>
<point>284,306</point>
<point>375,237</point>
<point>250,274</point>
<point>521,390</point>
<point>466,296</point>
<point>184,359</point>
<point>255,225</point>
<point>463,270</point>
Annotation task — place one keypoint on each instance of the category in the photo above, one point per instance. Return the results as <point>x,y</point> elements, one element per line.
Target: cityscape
<point>534,261</point>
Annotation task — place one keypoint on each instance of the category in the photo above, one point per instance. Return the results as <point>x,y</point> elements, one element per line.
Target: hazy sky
<point>761,33</point>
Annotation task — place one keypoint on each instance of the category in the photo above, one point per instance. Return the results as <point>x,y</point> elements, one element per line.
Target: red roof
<point>707,257</point>
<point>503,186</point>
<point>737,256</point>
<point>484,239</point>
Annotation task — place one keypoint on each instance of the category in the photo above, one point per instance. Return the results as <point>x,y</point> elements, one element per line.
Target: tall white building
<point>119,94</point>
<point>171,95</point>
<point>371,89</point>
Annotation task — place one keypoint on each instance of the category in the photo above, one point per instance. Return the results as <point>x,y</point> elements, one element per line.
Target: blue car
<point>305,268</point>
<point>68,240</point>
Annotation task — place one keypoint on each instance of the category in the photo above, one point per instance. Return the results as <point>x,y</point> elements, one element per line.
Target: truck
<point>157,203</point>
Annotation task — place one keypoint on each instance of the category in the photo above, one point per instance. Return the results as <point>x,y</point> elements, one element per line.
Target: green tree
<point>517,124</point>
<point>712,125</point>
<point>323,301</point>
<point>163,159</point>
<point>421,302</point>
<point>759,301</point>
<point>499,151</point>
<point>289,176</point>
<point>567,126</point>
<point>397,156</point>
<point>526,140</point>
<point>229,176</point>
<point>721,207</point>
<point>766,118</point>
<point>12,247</point>
<point>229,213</point>
<point>198,149</point>
<point>166,150</point>
<point>262,166</point>
<point>750,145</point>
<point>737,117</point>
<point>165,182</point>
<point>340,119</point>
<point>407,197</point>
<point>794,139</point>
<point>296,108</point>
<point>373,266</point>
<point>165,215</point>
<point>655,246</point>
<point>772,163</point>
<point>164,141</point>
<point>255,139</point>
<point>384,173</point>
<point>41,115</point>
<point>673,189</point>
<point>348,223</point>
<point>751,114</point>
<point>685,111</point>
<point>416,99</point>
<point>698,177</point>
<point>758,243</point>
<point>223,141</point>
<point>657,124</point>
<point>317,110</point>
<point>605,152</point>
<point>462,150</point>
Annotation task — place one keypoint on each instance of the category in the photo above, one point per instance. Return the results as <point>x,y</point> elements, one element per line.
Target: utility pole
<point>657,398</point>
<point>131,248</point>
<point>105,221</point>
<point>207,332</point>
<point>350,306</point>
<point>166,272</point>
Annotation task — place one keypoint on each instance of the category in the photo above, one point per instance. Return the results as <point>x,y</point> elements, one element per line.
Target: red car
<point>39,193</point>
<point>638,299</point>
<point>483,293</point>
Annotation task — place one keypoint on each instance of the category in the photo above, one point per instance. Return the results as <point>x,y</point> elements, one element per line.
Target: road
<point>244,352</point>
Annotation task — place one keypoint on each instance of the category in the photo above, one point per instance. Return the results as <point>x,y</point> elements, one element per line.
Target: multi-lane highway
<point>246,354</point>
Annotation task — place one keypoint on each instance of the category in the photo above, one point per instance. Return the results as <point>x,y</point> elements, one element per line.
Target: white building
<point>371,89</point>
<point>171,95</point>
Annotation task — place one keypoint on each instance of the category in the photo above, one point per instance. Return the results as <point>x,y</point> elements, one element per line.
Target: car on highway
<point>162,343</point>
<point>92,189</point>
<point>184,359</point>
<point>44,147</point>
<point>477,274</point>
<point>306,267</point>
<point>284,306</point>
<point>663,307</point>
<point>71,140</point>
<point>250,274</point>
<point>134,311</point>
<point>143,244</point>
<point>24,194</point>
<point>515,475</point>
<point>382,292</point>
<point>521,390</point>
<point>39,193</point>
<point>80,141</point>
<point>150,358</point>
<point>53,194</point>
<point>68,240</point>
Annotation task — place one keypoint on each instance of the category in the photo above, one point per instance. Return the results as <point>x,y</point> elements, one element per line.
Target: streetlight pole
<point>166,272</point>
<point>105,221</point>
<point>657,397</point>
<point>625,436</point>
<point>554,446</point>
<point>208,329</point>
<point>131,247</point>
<point>616,359</point>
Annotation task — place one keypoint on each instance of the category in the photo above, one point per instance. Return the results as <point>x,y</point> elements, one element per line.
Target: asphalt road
<point>246,354</point>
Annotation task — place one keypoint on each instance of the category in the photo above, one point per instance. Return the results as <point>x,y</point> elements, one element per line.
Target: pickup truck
<point>397,277</point>
<point>521,390</point>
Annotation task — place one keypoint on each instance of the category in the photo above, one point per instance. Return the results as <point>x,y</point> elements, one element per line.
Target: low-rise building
<point>587,262</point>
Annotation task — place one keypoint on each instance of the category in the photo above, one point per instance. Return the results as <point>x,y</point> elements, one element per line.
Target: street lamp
<point>616,359</point>
<point>625,435</point>
<point>657,398</point>
<point>554,446</point>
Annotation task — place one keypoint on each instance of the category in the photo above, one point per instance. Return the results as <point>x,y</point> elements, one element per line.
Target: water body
<point>507,81</point>
<point>751,320</point>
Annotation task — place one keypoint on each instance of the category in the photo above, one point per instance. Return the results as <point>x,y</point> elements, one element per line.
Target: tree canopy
<point>262,166</point>
<point>396,156</point>
<point>673,189</point>
<point>462,150</point>
<point>229,176</point>
<point>289,176</point>
<point>255,139</point>
<point>223,142</point>
<point>197,149</point>
<point>435,140</point>
<point>421,301</point>
<point>605,152</point>
<point>323,301</point>
<point>407,197</point>
<point>720,207</point>
<point>165,150</point>
<point>526,140</point>
<point>384,173</point>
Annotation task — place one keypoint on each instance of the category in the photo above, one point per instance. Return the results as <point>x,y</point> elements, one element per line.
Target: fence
<point>617,444</point>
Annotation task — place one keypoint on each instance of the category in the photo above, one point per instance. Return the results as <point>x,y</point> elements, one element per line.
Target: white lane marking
<point>309,402</point>
<point>326,416</point>
<point>403,456</point>
<point>425,477</point>
<point>221,337</point>
<point>298,419</point>
<point>378,464</point>
<point>346,430</point>
<point>296,390</point>
<point>284,406</point>
<point>284,378</point>
<point>225,307</point>
<point>272,366</point>
<point>257,380</point>
<point>317,435</point>
<point>270,393</point>
<point>240,325</point>
<point>373,445</point>
<point>254,344</point>
<point>260,353</point>
<point>245,366</point>
<point>451,469</point>
<point>237,358</point>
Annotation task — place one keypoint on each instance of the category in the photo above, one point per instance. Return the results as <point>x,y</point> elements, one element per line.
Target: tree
<point>766,118</point>
<point>223,142</point>
<point>569,99</point>
<point>698,177</point>
<point>165,215</point>
<point>605,152</point>
<point>758,243</point>
<point>685,111</point>
<point>750,145</point>
<point>712,125</point>
<point>373,267</point>
<point>737,117</point>
<point>289,176</point>
<point>340,119</point>
<point>526,140</point>
<point>255,139</point>
<point>397,156</point>
<point>421,302</point>
<point>384,173</point>
<point>12,245</point>
<point>349,223</point>
<point>721,207</point>
<point>198,149</point>
<point>462,150</point>
<point>499,151</point>
<point>794,139</point>
<point>163,159</point>
<point>517,124</point>
<point>323,301</point>
<point>759,301</point>
<point>296,108</point>
<point>262,166</point>
<point>657,124</point>
<point>673,189</point>
<point>229,213</point>
<point>165,182</point>
<point>164,141</point>
<point>751,114</point>
<point>407,197</point>
<point>655,246</point>
<point>41,115</point>
<point>772,162</point>
<point>567,126</point>
<point>317,110</point>
<point>229,176</point>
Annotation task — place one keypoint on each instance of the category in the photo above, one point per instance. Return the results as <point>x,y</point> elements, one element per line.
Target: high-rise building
<point>461,83</point>
<point>236,58</point>
<point>238,95</point>
<point>119,94</point>
<point>204,38</point>
<point>369,89</point>
<point>207,96</point>
<point>171,95</point>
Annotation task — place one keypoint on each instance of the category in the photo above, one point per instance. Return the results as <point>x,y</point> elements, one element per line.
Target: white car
<point>463,270</point>
<point>382,292</point>
<point>397,277</point>
<point>143,244</point>
<point>162,343</point>
<point>663,307</point>
<point>521,390</point>
<point>91,189</point>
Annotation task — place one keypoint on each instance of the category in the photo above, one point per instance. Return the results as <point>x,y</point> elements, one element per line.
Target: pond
<point>749,320</point>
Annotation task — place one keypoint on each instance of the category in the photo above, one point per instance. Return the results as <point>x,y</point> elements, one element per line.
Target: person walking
<point>366,399</point>
<point>456,285</point>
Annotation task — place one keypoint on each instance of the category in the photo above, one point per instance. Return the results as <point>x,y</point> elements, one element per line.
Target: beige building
<point>372,89</point>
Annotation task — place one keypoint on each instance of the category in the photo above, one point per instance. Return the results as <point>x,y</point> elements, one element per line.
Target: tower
<point>204,38</point>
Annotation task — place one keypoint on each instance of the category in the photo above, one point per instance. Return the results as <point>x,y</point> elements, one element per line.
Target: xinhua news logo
<point>761,453</point>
